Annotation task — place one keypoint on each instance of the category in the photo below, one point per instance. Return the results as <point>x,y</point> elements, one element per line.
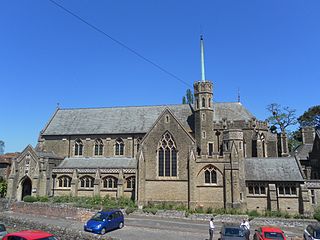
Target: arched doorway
<point>26,187</point>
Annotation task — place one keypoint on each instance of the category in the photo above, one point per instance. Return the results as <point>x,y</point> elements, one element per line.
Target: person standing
<point>211,229</point>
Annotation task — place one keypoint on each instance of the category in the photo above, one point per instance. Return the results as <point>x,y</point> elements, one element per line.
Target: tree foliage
<point>311,117</point>
<point>3,187</point>
<point>188,98</point>
<point>282,117</point>
<point>1,147</point>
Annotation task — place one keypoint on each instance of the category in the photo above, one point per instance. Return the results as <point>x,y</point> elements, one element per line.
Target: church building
<point>209,154</point>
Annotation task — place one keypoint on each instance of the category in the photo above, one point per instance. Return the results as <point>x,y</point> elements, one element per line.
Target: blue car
<point>104,221</point>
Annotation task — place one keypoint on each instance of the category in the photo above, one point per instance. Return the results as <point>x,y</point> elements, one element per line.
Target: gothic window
<point>167,156</point>
<point>287,189</point>
<point>138,143</point>
<point>210,149</point>
<point>203,102</point>
<point>254,148</point>
<point>86,182</point>
<point>98,147</point>
<point>131,182</point>
<point>263,141</point>
<point>110,182</point>
<point>78,148</point>
<point>257,189</point>
<point>210,175</point>
<point>119,147</point>
<point>209,102</point>
<point>64,181</point>
<point>313,196</point>
<point>197,103</point>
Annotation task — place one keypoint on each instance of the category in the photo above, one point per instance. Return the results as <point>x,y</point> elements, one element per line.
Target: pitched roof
<point>98,162</point>
<point>120,120</point>
<point>272,169</point>
<point>302,151</point>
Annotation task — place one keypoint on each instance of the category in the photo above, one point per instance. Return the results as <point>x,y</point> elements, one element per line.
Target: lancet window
<point>78,148</point>
<point>110,182</point>
<point>119,147</point>
<point>98,147</point>
<point>86,182</point>
<point>64,181</point>
<point>210,175</point>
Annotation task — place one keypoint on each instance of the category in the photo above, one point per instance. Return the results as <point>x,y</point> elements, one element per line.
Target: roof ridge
<point>163,105</point>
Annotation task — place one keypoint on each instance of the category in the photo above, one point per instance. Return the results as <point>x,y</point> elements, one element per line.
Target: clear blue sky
<point>269,49</point>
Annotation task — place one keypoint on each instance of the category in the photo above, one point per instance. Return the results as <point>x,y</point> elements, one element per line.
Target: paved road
<point>147,228</point>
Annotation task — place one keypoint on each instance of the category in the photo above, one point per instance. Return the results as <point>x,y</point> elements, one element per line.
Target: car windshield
<point>233,232</point>
<point>2,228</point>
<point>48,238</point>
<point>273,235</point>
<point>98,217</point>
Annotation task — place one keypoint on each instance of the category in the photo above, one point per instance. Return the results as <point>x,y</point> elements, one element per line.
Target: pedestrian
<point>211,229</point>
<point>246,228</point>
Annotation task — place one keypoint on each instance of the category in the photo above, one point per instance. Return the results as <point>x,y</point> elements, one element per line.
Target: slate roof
<point>121,120</point>
<point>302,151</point>
<point>272,169</point>
<point>98,162</point>
<point>41,154</point>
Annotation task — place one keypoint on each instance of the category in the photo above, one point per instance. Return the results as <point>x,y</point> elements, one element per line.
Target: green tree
<point>3,187</point>
<point>188,98</point>
<point>311,117</point>
<point>282,117</point>
<point>1,147</point>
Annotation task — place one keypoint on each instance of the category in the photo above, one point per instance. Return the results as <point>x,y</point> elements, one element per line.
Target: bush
<point>209,210</point>
<point>129,210</point>
<point>29,199</point>
<point>3,188</point>
<point>42,199</point>
<point>150,210</point>
<point>316,214</point>
<point>253,213</point>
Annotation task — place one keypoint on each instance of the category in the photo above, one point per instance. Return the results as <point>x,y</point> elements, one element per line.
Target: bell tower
<point>203,108</point>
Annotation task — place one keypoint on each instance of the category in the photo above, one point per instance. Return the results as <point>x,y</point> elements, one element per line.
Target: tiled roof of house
<point>98,162</point>
<point>302,151</point>
<point>119,120</point>
<point>272,169</point>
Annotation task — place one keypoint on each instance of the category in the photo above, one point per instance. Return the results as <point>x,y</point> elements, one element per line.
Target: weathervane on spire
<point>203,76</point>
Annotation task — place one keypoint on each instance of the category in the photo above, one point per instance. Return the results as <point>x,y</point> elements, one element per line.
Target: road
<point>147,228</point>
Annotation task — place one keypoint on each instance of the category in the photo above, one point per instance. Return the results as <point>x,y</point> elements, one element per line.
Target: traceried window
<point>138,143</point>
<point>110,182</point>
<point>64,181</point>
<point>287,189</point>
<point>210,175</point>
<point>167,156</point>
<point>257,189</point>
<point>78,148</point>
<point>86,182</point>
<point>119,147</point>
<point>131,182</point>
<point>98,147</point>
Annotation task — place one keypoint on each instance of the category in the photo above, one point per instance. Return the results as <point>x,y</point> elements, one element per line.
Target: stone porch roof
<point>124,120</point>
<point>272,169</point>
<point>97,162</point>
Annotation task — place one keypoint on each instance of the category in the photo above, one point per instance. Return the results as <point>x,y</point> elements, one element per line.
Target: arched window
<point>64,181</point>
<point>167,156</point>
<point>210,175</point>
<point>209,102</point>
<point>110,182</point>
<point>197,103</point>
<point>131,182</point>
<point>98,147</point>
<point>263,142</point>
<point>119,147</point>
<point>138,143</point>
<point>203,102</point>
<point>78,148</point>
<point>86,182</point>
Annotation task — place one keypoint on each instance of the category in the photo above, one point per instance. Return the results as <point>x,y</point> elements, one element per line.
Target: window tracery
<point>167,156</point>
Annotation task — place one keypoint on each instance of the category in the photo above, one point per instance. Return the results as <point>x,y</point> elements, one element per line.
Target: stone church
<point>205,155</point>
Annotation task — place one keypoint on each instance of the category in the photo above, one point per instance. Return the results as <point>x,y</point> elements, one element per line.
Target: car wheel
<point>121,225</point>
<point>103,231</point>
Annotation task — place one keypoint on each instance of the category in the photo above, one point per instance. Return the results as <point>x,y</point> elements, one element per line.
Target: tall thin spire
<point>203,75</point>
